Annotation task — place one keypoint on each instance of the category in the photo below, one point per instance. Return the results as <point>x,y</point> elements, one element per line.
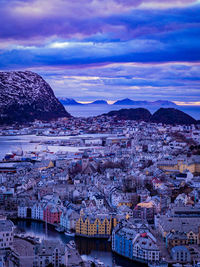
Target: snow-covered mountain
<point>25,96</point>
<point>68,101</point>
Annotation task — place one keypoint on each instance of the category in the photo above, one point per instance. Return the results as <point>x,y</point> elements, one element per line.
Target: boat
<point>69,233</point>
<point>60,229</point>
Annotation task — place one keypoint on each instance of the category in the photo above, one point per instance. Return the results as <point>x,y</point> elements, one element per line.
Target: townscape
<point>134,184</point>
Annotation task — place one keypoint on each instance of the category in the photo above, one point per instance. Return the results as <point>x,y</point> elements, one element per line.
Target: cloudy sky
<point>106,49</point>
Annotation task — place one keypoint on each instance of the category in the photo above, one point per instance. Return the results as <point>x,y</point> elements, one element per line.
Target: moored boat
<point>69,233</point>
<point>60,229</point>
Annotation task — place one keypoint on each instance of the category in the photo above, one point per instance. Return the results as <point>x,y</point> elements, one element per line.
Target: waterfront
<point>90,248</point>
<point>95,110</point>
<point>23,142</point>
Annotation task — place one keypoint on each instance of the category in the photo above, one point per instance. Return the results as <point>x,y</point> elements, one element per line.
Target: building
<point>6,233</point>
<point>99,199</point>
<point>144,210</point>
<point>68,219</point>
<point>50,251</point>
<point>52,214</point>
<point>133,240</point>
<point>188,225</point>
<point>95,226</point>
<point>180,165</point>
<point>37,212</point>
<point>176,239</point>
<point>180,254</point>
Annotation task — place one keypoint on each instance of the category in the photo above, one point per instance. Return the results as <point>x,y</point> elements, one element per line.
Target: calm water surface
<point>10,144</point>
<point>90,248</point>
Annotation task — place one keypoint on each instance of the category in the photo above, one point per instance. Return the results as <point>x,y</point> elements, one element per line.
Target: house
<point>99,199</point>
<point>132,239</point>
<point>37,212</point>
<point>6,233</point>
<point>176,239</point>
<point>68,219</point>
<point>180,254</point>
<point>52,214</point>
<point>145,210</point>
<point>95,225</point>
<point>50,252</point>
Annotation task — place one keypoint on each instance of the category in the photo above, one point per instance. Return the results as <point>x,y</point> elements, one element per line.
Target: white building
<point>22,211</point>
<point>145,247</point>
<point>68,219</point>
<point>99,200</point>
<point>37,212</point>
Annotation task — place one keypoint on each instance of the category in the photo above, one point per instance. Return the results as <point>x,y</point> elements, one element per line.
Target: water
<point>95,110</point>
<point>90,248</point>
<point>13,143</point>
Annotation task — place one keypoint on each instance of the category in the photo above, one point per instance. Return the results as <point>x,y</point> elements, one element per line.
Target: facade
<point>99,200</point>
<point>68,219</point>
<point>6,234</point>
<point>134,241</point>
<point>37,212</point>
<point>180,254</point>
<point>52,214</point>
<point>144,210</point>
<point>180,165</point>
<point>188,225</point>
<point>176,239</point>
<point>95,226</point>
<point>50,251</point>
<point>22,211</point>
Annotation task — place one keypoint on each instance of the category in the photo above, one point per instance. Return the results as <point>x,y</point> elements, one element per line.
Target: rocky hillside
<point>163,115</point>
<point>138,114</point>
<point>25,96</point>
<point>172,116</point>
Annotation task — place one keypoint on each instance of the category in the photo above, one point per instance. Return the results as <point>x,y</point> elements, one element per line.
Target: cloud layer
<point>111,47</point>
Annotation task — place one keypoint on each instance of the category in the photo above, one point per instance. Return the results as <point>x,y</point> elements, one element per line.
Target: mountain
<point>25,96</point>
<point>68,101</point>
<point>125,101</point>
<point>162,103</point>
<point>99,102</point>
<point>131,114</point>
<point>163,115</point>
<point>172,116</point>
<point>128,101</point>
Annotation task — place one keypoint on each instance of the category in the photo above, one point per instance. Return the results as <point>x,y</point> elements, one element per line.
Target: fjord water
<point>95,110</point>
<point>90,248</point>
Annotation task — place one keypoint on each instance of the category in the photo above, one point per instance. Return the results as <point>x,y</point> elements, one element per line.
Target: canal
<point>89,248</point>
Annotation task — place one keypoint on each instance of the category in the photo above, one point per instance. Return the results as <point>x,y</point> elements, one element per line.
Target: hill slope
<point>25,96</point>
<point>163,115</point>
<point>131,114</point>
<point>172,116</point>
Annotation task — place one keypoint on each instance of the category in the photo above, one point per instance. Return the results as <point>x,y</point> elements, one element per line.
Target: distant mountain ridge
<point>68,101</point>
<point>162,115</point>
<point>131,114</point>
<point>99,102</point>
<point>125,101</point>
<point>128,101</point>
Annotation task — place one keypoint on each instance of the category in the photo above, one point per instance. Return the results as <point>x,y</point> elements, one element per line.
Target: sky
<point>106,49</point>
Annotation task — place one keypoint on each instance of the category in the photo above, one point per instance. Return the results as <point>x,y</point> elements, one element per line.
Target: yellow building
<point>192,164</point>
<point>126,203</point>
<point>101,226</point>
